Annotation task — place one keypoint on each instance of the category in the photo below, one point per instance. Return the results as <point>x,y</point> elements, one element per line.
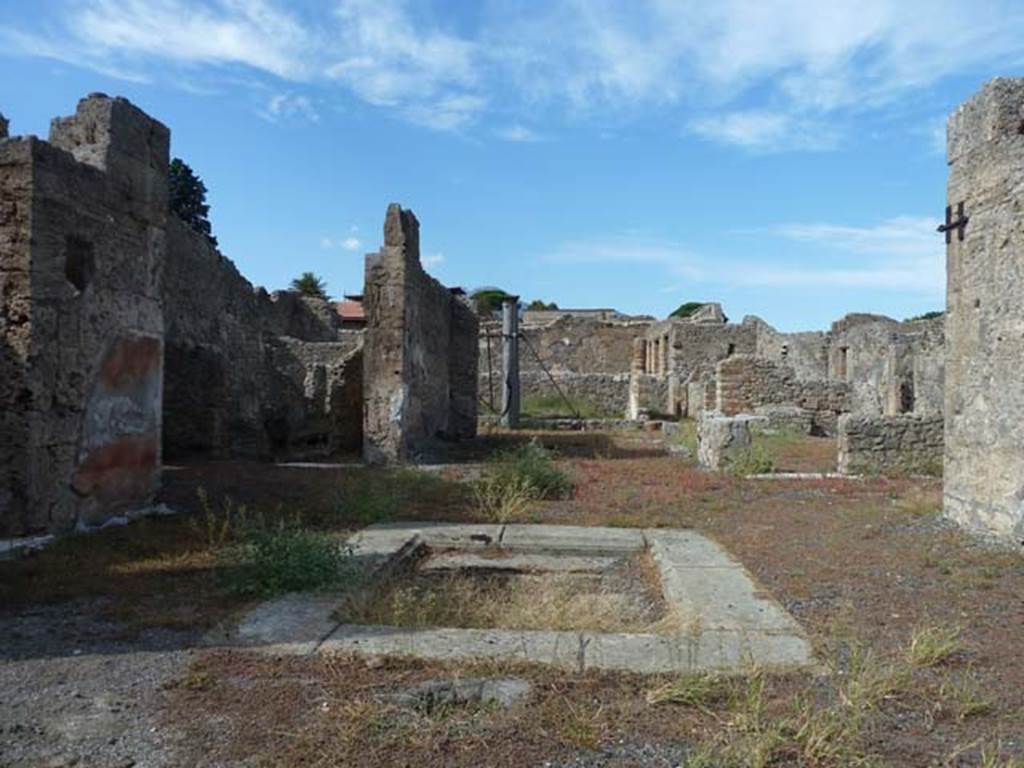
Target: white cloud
<point>346,244</point>
<point>389,60</point>
<point>765,131</point>
<point>902,254</point>
<point>432,259</point>
<point>290,106</point>
<point>763,75</point>
<point>902,236</point>
<point>518,133</point>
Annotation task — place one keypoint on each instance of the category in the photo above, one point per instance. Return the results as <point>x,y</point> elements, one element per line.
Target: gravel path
<point>75,692</point>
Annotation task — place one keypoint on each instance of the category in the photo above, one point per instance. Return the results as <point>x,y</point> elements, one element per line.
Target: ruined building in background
<point>125,337</point>
<point>82,244</point>
<point>420,354</point>
<point>984,460</point>
<point>865,364</point>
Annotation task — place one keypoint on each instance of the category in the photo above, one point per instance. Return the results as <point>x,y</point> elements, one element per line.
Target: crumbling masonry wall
<point>746,383</point>
<point>890,445</point>
<point>81,329</point>
<point>984,459</point>
<point>417,332</point>
<point>251,374</point>
<point>587,353</point>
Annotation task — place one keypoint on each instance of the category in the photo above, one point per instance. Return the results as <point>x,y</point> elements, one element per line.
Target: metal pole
<point>510,361</point>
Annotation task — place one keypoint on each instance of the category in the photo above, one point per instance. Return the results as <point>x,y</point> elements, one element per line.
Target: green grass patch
<point>548,406</point>
<point>286,557</point>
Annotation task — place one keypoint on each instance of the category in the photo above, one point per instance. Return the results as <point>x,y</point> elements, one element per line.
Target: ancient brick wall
<point>984,460</point>
<point>415,327</point>
<point>81,331</point>
<point>890,445</point>
<point>745,382</point>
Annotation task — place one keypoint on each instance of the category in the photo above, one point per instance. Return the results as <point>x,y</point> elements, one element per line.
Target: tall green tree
<point>188,199</point>
<point>309,284</point>
<point>488,300</point>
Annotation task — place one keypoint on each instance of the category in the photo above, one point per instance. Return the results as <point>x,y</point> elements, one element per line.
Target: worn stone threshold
<point>729,622</point>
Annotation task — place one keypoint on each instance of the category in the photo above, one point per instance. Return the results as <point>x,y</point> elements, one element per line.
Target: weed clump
<point>755,460</point>
<point>931,646</point>
<point>287,557</point>
<point>518,476</point>
<point>267,558</point>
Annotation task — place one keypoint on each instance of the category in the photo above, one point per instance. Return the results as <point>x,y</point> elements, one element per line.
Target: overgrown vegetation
<point>546,406</point>
<point>188,199</point>
<point>936,313</point>
<point>287,557</point>
<point>310,284</point>
<point>518,476</point>
<point>268,558</point>
<point>558,602</point>
<point>933,645</point>
<point>823,728</point>
<point>755,460</point>
<point>687,309</point>
<point>686,436</point>
<point>488,300</point>
<point>540,305</point>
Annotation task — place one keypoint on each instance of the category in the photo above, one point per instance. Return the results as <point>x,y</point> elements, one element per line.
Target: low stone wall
<point>746,383</point>
<point>897,445</point>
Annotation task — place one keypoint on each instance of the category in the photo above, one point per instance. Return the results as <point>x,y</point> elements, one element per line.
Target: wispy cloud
<point>432,259</point>
<point>760,75</point>
<point>765,131</point>
<point>346,244</point>
<point>284,106</point>
<point>518,133</point>
<point>900,254</point>
<point>902,236</point>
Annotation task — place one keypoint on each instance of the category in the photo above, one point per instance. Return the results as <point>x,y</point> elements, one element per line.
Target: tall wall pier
<point>82,243</point>
<point>420,355</point>
<point>984,440</point>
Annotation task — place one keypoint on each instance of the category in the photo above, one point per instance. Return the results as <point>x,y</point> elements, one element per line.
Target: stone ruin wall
<point>418,334</point>
<point>748,384</point>
<point>124,335</point>
<point>892,367</point>
<point>251,374</point>
<point>588,355</point>
<point>82,242</point>
<point>890,445</point>
<point>984,392</point>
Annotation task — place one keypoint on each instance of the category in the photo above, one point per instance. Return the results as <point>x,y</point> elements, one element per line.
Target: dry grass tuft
<point>931,646</point>
<point>550,601</point>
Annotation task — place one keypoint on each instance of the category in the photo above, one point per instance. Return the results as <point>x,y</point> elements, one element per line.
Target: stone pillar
<point>637,367</point>
<point>984,408</point>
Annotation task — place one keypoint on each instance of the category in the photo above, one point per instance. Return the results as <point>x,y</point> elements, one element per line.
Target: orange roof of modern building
<point>351,311</point>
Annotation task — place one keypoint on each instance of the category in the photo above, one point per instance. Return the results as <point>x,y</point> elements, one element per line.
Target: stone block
<point>721,439</point>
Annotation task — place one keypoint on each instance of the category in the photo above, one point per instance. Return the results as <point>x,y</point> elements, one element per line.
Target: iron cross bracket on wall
<point>959,225</point>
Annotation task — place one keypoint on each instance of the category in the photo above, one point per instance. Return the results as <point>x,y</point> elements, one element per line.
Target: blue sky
<point>784,158</point>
